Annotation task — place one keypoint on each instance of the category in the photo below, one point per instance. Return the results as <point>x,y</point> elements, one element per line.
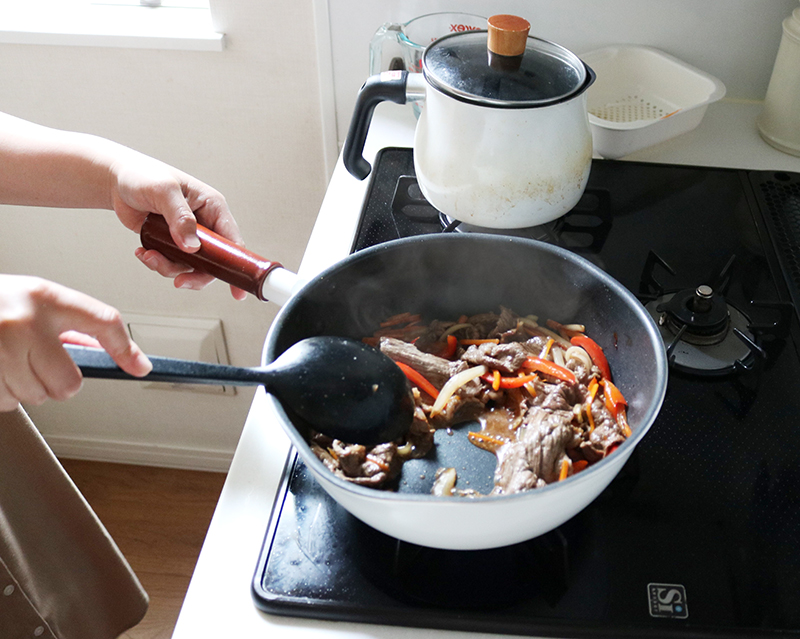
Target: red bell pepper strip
<point>418,380</point>
<point>613,398</point>
<point>595,351</point>
<point>549,368</point>
<point>401,318</point>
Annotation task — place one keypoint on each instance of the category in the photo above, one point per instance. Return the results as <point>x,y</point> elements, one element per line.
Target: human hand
<point>143,185</point>
<point>36,316</point>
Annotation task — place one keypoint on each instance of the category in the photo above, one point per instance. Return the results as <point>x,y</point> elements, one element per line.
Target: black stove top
<point>699,535</point>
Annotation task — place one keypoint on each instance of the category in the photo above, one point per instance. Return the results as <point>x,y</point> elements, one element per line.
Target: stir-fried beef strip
<point>556,421</point>
<point>436,370</point>
<point>507,358</point>
<point>534,459</point>
<point>366,466</point>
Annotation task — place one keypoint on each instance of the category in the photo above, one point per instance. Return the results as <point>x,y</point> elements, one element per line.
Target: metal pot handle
<point>394,86</point>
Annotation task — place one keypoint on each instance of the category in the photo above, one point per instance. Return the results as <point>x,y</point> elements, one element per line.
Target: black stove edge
<point>463,621</point>
<point>470,621</point>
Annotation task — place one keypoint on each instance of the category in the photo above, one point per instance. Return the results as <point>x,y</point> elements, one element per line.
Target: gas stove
<point>699,535</point>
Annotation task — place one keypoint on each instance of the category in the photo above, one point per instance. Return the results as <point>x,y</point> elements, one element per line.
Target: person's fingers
<point>211,210</point>
<point>238,294</point>
<point>79,312</point>
<point>8,401</point>
<point>34,367</point>
<point>56,370</point>
<point>21,384</point>
<point>184,276</point>
<point>155,261</point>
<point>147,186</point>
<point>34,317</point>
<point>172,205</point>
<point>80,339</point>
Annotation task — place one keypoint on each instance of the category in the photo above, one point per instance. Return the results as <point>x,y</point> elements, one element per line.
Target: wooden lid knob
<point>508,35</point>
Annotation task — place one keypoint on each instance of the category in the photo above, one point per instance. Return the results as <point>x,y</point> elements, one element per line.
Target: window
<point>174,24</point>
<point>171,4</point>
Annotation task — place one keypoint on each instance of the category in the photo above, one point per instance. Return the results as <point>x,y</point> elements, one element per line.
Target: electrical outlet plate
<point>181,338</point>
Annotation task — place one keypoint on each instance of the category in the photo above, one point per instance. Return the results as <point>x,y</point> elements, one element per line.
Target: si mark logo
<point>667,600</point>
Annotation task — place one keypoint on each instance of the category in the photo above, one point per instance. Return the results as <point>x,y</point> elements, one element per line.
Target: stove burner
<point>542,232</point>
<point>700,316</point>
<point>702,332</point>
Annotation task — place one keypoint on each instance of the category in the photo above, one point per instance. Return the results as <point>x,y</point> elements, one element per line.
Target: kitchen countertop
<point>218,602</point>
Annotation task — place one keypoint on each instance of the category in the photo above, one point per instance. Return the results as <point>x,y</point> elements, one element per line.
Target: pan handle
<point>217,256</point>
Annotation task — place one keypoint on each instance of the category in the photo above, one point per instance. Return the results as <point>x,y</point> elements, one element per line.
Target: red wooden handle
<point>217,256</point>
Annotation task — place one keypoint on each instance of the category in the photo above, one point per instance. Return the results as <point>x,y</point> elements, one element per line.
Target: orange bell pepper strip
<point>622,420</point>
<point>595,352</point>
<point>613,398</point>
<point>452,345</point>
<point>444,348</point>
<point>416,378</point>
<point>497,381</point>
<point>550,368</point>
<point>487,442</point>
<point>578,466</point>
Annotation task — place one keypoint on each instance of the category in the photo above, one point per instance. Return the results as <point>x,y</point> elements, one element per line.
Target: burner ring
<point>703,314</point>
<point>717,356</point>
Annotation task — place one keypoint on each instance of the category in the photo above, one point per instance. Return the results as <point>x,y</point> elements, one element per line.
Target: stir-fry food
<point>542,394</point>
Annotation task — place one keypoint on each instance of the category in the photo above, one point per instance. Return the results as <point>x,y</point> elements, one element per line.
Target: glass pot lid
<point>461,65</point>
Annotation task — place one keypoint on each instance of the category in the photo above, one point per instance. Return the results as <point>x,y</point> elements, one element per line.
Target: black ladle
<point>340,387</point>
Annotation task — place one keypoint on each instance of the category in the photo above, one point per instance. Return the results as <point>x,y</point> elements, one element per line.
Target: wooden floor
<point>159,518</point>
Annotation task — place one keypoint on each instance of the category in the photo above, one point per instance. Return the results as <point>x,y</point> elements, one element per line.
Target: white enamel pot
<point>502,142</point>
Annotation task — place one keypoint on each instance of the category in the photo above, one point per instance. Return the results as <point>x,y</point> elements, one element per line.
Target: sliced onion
<point>558,339</point>
<point>453,384</point>
<point>444,482</point>
<point>454,328</point>
<point>558,357</point>
<point>546,348</point>
<point>405,450</point>
<point>576,352</point>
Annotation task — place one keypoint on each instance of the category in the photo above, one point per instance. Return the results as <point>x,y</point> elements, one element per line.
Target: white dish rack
<point>643,96</point>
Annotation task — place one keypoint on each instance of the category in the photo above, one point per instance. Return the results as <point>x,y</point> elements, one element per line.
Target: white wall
<point>247,121</point>
<point>734,40</point>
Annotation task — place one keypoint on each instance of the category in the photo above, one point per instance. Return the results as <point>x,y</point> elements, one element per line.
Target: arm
<point>40,166</point>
